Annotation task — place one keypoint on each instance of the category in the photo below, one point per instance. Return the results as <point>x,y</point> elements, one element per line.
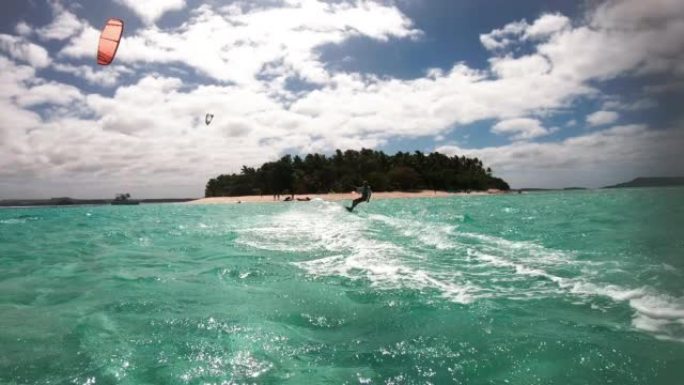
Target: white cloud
<point>13,76</point>
<point>82,45</point>
<point>64,25</point>
<point>636,14</point>
<point>361,105</point>
<point>14,120</point>
<point>159,123</point>
<point>597,159</point>
<point>49,93</point>
<point>547,25</point>
<point>520,128</point>
<point>600,53</point>
<point>18,84</point>
<point>626,36</point>
<point>23,29</point>
<point>238,46</point>
<point>23,50</point>
<point>601,118</point>
<point>21,90</point>
<point>151,129</point>
<point>525,66</point>
<point>151,10</point>
<point>102,76</point>
<point>501,38</point>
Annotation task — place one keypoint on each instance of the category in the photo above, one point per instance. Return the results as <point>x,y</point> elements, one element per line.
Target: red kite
<point>109,41</point>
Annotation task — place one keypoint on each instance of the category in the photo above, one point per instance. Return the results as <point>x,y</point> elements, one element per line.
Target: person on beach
<point>365,191</point>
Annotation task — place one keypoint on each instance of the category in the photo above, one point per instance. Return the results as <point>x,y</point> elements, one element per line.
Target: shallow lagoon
<point>582,287</point>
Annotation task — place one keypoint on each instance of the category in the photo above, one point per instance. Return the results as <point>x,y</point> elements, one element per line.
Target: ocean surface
<point>577,287</point>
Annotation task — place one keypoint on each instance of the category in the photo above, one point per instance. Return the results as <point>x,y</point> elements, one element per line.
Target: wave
<point>326,228</point>
<point>18,220</point>
<point>659,314</point>
<point>463,267</point>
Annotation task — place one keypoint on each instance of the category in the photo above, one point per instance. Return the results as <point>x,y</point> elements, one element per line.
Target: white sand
<point>338,196</point>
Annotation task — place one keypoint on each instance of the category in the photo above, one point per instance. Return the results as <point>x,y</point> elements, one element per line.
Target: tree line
<point>341,172</point>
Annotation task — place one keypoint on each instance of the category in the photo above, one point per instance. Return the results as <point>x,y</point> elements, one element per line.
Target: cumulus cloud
<point>524,66</point>
<point>82,45</point>
<point>635,14</point>
<point>238,45</point>
<point>513,33</point>
<point>64,25</point>
<point>151,10</point>
<point>23,28</point>
<point>21,49</point>
<point>14,120</point>
<point>520,128</point>
<point>547,25</point>
<point>595,159</point>
<point>49,93</point>
<point>503,37</point>
<point>626,36</point>
<point>150,129</point>
<point>106,77</point>
<point>601,118</point>
<point>616,44</point>
<point>21,91</point>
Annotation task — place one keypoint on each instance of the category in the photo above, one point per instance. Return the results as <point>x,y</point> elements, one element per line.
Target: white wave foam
<point>314,227</point>
<point>325,228</point>
<point>15,221</point>
<point>517,267</point>
<point>429,234</point>
<point>660,314</point>
<point>522,250</point>
<point>472,265</point>
<point>388,273</point>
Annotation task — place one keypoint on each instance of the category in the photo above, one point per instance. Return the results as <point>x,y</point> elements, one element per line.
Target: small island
<point>651,182</point>
<point>124,199</point>
<point>341,172</point>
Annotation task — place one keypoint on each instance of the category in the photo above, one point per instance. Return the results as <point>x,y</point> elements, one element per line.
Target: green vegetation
<point>317,174</point>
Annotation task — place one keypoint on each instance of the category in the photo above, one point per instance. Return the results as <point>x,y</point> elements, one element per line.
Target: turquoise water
<point>581,287</point>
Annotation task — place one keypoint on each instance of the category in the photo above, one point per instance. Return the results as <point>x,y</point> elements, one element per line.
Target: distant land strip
<point>66,201</point>
<point>651,182</point>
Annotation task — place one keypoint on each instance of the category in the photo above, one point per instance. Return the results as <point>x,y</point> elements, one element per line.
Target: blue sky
<point>547,93</point>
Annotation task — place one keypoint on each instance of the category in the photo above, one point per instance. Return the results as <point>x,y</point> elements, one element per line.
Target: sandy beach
<point>337,196</point>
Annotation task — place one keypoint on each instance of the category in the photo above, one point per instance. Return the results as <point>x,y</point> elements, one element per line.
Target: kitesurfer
<point>365,191</point>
